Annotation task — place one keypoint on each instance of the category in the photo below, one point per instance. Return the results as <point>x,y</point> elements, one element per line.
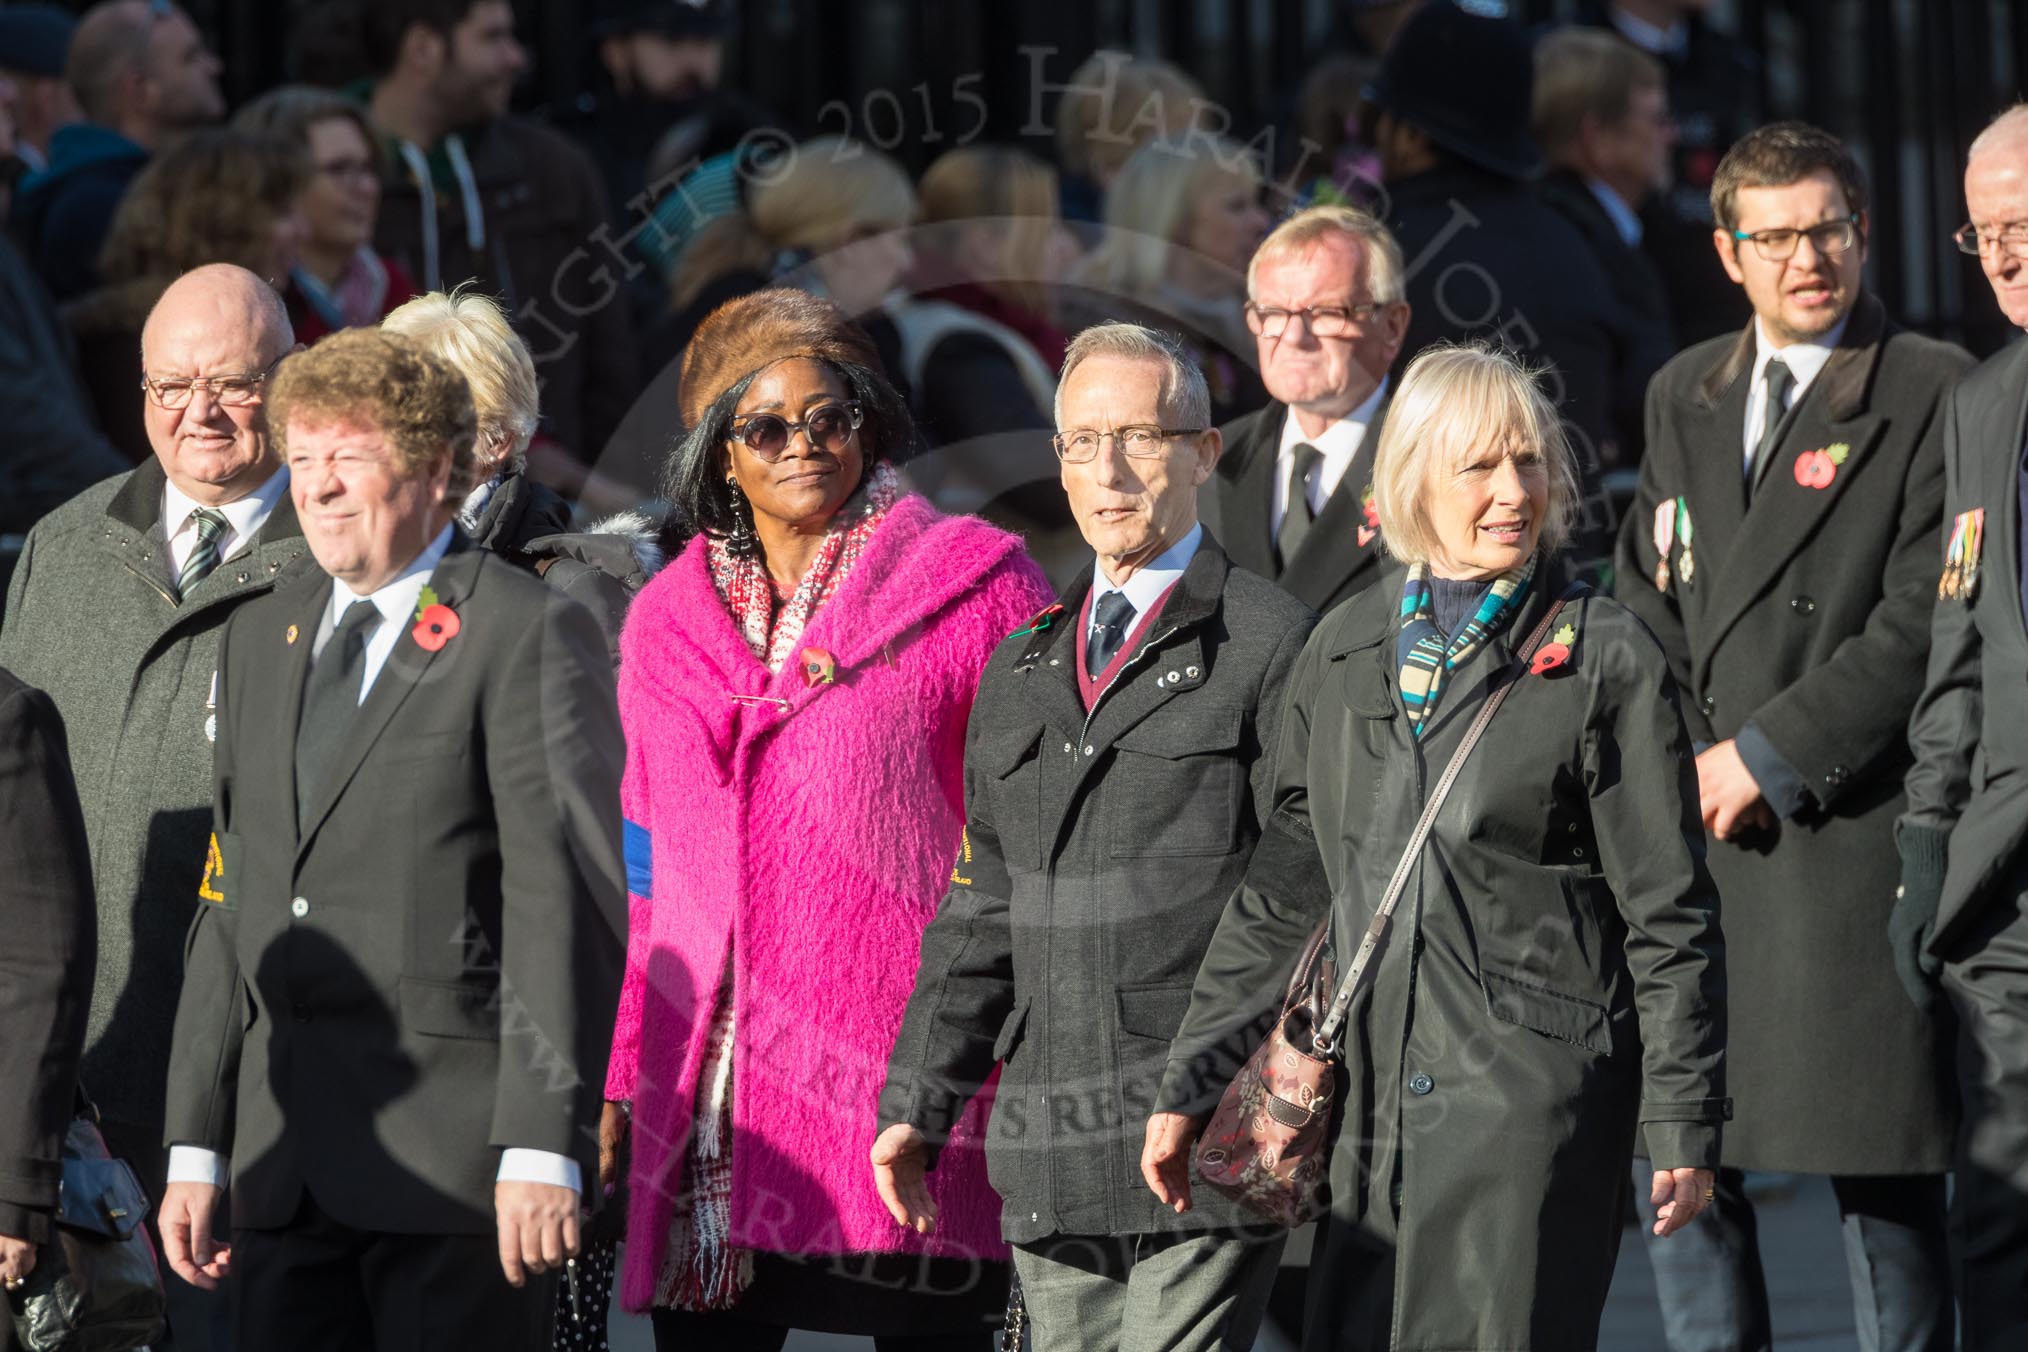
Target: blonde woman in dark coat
<point>1553,982</point>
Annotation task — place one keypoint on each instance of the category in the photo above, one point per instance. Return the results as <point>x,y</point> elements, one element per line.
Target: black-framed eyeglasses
<point>1136,441</point>
<point>229,391</point>
<point>1325,321</point>
<point>2010,239</point>
<point>827,427</point>
<point>1828,239</point>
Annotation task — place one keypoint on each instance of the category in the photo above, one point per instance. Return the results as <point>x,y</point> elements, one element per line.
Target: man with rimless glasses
<point>1783,547</point>
<point>116,610</point>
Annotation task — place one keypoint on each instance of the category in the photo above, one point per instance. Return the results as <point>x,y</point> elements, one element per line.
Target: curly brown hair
<point>212,197</point>
<point>368,377</point>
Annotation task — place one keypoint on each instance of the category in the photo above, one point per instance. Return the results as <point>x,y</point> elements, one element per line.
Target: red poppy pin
<point>1816,469</point>
<point>1551,656</point>
<point>1043,619</point>
<point>819,667</point>
<point>1371,526</point>
<point>435,623</point>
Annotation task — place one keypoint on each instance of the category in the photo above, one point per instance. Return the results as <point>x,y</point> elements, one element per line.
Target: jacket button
<point>1091,751</point>
<point>299,908</point>
<point>1173,677</point>
<point>1068,749</point>
<point>1191,672</point>
<point>241,577</point>
<point>1802,605</point>
<point>1836,775</point>
<point>1708,705</point>
<point>1420,1084</point>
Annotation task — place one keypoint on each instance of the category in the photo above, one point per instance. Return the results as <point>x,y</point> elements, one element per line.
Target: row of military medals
<point>1672,524</point>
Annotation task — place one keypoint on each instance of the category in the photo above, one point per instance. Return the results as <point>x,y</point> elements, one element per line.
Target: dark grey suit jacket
<point>46,958</point>
<point>1339,557</point>
<point>376,1008</point>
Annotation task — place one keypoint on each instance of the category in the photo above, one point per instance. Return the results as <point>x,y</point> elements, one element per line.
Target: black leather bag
<point>96,1286</point>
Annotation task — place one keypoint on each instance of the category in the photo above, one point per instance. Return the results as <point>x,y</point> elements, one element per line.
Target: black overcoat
<point>376,1007</point>
<point>1807,614</point>
<point>1553,980</point>
<point>1099,851</point>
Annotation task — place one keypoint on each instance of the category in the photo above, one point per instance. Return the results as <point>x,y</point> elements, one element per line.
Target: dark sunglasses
<point>826,427</point>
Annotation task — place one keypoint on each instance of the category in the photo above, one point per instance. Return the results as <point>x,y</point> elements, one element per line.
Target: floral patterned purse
<point>1268,1143</point>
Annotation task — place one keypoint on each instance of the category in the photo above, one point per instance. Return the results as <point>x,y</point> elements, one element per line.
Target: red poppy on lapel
<point>819,667</point>
<point>436,626</point>
<point>1816,469</point>
<point>1043,619</point>
<point>1552,656</point>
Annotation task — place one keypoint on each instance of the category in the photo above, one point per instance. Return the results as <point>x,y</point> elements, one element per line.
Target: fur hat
<point>760,329</point>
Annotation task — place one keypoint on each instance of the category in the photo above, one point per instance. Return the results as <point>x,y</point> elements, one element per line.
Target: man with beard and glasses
<point>1783,548</point>
<point>473,193</point>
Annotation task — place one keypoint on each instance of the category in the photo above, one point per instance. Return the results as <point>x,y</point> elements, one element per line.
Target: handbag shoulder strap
<point>1327,1031</point>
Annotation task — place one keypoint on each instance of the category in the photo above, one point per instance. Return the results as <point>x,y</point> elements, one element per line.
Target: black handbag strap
<point>1326,1039</point>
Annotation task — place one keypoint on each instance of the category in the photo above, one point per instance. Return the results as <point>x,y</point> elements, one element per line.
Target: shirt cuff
<point>195,1164</point>
<point>518,1165</point>
<point>1786,791</point>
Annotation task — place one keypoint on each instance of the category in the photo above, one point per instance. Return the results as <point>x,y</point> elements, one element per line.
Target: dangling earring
<point>741,540</point>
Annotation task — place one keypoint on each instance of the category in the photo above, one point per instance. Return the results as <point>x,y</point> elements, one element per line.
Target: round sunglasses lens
<point>829,427</point>
<point>765,435</point>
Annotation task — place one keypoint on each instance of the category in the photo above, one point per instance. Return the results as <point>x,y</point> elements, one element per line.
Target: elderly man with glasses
<point>115,609</point>
<point>1784,548</point>
<point>1965,927</point>
<point>1117,770</point>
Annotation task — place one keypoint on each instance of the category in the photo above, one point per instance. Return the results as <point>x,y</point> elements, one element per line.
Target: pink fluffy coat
<point>816,840</point>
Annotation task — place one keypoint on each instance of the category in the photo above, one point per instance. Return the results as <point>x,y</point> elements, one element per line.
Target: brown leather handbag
<point>1268,1143</point>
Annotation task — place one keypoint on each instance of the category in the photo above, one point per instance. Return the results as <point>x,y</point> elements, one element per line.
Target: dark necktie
<point>203,558</point>
<point>330,701</point>
<point>1780,380</point>
<point>1112,617</point>
<point>1297,520</point>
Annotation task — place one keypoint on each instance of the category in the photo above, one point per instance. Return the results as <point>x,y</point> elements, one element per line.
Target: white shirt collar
<point>1624,218</point>
<point>1149,581</point>
<point>396,602</point>
<point>1650,39</point>
<point>243,517</point>
<point>1804,358</point>
<point>1339,442</point>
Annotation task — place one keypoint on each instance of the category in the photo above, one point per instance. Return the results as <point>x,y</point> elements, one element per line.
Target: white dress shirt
<point>242,519</point>
<point>396,603</point>
<point>1146,586</point>
<point>1650,38</point>
<point>1626,221</point>
<point>1339,443</point>
<point>1805,361</point>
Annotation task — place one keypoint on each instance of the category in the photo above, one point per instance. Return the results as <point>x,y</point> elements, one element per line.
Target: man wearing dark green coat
<point>1782,546</point>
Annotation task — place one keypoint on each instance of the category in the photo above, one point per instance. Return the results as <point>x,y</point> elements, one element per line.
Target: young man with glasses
<point>1965,928</point>
<point>1783,547</point>
<point>1117,771</point>
<point>116,609</point>
<point>1292,496</point>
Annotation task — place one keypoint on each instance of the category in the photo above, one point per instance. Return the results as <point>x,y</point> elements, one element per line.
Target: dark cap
<point>1463,73</point>
<point>668,18</point>
<point>35,39</point>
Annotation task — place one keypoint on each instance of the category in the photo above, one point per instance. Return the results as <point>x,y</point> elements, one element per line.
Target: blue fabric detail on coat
<point>640,852</point>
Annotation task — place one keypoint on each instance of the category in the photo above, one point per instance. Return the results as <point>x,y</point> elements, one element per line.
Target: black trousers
<point>320,1286</point>
<point>1987,981</point>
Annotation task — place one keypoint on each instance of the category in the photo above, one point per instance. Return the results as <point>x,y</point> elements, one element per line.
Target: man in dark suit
<point>45,970</point>
<point>402,977</point>
<point>1115,769</point>
<point>1963,913</point>
<point>1781,547</point>
<point>1602,119</point>
<point>1292,496</point>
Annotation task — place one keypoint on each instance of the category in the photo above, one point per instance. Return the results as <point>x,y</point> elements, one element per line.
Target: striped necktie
<point>204,556</point>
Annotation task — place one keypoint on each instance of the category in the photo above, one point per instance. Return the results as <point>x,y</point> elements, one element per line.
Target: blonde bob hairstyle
<point>1148,210</point>
<point>468,331</point>
<point>1003,187</point>
<point>1455,399</point>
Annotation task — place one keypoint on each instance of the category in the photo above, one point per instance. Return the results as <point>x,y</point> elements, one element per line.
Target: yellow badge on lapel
<point>959,870</point>
<point>212,888</point>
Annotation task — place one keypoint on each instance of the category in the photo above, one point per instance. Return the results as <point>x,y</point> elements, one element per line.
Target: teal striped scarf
<point>1426,658</point>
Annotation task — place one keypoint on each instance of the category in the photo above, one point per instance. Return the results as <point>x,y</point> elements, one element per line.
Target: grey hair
<point>1185,396</point>
<point>2003,131</point>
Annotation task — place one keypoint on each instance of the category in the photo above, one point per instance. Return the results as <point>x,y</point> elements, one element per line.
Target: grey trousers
<point>1200,1291</point>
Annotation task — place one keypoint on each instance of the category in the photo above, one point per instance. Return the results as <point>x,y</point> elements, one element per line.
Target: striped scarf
<point>1426,658</point>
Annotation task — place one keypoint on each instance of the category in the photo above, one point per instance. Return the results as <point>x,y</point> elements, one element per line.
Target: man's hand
<point>1679,1196</point>
<point>613,1124</point>
<point>189,1211</point>
<point>538,1227</point>
<point>17,1260</point>
<point>1165,1158</point>
<point>1729,795</point>
<point>900,1158</point>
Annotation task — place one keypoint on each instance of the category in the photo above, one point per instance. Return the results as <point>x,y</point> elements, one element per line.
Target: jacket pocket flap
<point>1567,1018</point>
<point>1003,753</point>
<point>449,1008</point>
<point>1204,729</point>
<point>1010,1031</point>
<point>1153,1011</point>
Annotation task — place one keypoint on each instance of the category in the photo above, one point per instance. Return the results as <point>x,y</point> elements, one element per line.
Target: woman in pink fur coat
<point>795,688</point>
